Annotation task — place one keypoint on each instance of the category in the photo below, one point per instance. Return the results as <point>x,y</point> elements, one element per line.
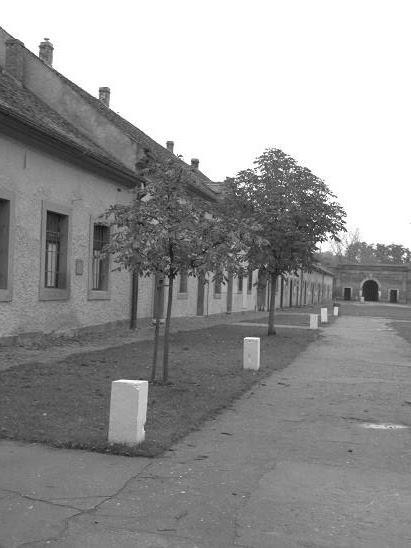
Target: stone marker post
<point>336,310</point>
<point>313,321</point>
<point>128,410</point>
<point>251,353</point>
<point>324,315</point>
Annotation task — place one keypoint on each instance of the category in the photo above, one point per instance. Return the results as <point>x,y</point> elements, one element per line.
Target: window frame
<point>97,294</point>
<point>55,293</point>
<point>6,294</point>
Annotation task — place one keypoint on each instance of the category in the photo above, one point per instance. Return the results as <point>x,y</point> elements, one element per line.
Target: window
<point>240,284</point>
<point>250,281</point>
<point>217,289</point>
<point>182,288</point>
<point>4,242</point>
<point>55,274</point>
<point>6,231</point>
<point>100,263</point>
<point>54,278</point>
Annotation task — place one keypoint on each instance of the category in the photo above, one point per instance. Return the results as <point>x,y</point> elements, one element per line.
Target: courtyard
<point>315,453</point>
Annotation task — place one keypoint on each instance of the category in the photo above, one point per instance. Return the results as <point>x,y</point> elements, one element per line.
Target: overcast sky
<point>327,81</point>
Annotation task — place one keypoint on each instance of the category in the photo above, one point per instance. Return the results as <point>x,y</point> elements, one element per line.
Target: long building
<point>65,157</point>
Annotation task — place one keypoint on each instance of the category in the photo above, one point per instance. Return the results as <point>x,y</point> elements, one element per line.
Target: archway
<point>370,290</point>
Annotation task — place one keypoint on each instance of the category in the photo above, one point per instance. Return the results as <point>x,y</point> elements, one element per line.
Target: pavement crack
<point>44,501</point>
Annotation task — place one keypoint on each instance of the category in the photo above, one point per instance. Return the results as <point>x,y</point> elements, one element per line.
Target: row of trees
<point>350,249</point>
<point>271,218</point>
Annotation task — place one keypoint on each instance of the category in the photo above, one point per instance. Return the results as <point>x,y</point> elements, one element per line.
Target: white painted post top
<point>313,321</point>
<point>336,310</point>
<point>324,315</point>
<point>251,353</point>
<point>128,411</point>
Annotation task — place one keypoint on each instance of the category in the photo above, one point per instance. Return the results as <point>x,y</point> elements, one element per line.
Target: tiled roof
<point>37,111</point>
<point>197,178</point>
<point>24,105</point>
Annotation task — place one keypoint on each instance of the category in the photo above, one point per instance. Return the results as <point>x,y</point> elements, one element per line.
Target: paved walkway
<point>291,464</point>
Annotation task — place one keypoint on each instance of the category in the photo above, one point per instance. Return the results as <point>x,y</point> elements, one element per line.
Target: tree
<point>352,250</point>
<point>167,230</point>
<point>290,211</point>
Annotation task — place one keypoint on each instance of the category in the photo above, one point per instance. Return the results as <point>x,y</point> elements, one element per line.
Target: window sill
<point>96,295</point>
<point>51,294</point>
<point>182,296</point>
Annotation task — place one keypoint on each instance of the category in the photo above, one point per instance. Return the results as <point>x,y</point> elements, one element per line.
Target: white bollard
<point>362,300</point>
<point>324,315</point>
<point>128,410</point>
<point>251,353</point>
<point>313,321</point>
<point>336,310</point>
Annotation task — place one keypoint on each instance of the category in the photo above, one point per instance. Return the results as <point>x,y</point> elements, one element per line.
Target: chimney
<point>104,95</point>
<point>15,58</point>
<point>170,146</point>
<point>46,52</point>
<point>195,163</point>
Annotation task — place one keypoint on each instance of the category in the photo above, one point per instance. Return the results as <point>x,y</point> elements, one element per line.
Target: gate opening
<point>370,290</point>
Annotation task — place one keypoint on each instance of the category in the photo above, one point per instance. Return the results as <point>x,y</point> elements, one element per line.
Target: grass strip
<point>66,404</point>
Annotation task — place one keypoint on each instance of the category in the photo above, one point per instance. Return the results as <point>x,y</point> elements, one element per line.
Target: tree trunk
<point>134,299</point>
<point>167,329</point>
<point>155,352</point>
<point>271,328</point>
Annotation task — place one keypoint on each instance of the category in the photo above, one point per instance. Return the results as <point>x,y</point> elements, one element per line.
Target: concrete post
<point>336,310</point>
<point>251,353</point>
<point>324,315</point>
<point>362,300</point>
<point>313,321</point>
<point>128,410</point>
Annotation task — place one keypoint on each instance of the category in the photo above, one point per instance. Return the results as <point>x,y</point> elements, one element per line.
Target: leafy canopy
<point>167,229</point>
<point>290,211</point>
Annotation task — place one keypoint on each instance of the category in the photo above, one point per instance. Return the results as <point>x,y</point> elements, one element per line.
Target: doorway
<point>370,290</point>
<point>347,293</point>
<point>393,295</point>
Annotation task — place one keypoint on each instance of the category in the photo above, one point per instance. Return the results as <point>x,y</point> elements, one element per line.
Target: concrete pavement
<point>291,464</point>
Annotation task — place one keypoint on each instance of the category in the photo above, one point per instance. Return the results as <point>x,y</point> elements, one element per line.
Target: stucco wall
<point>387,278</point>
<point>33,177</point>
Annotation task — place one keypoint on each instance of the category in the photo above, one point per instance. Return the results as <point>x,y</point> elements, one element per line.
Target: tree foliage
<point>352,250</point>
<point>290,211</point>
<point>167,230</point>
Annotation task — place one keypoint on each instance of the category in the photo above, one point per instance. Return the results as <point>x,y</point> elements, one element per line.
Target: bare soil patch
<point>66,403</point>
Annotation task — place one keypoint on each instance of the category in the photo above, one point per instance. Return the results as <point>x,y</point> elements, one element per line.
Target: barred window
<point>217,288</point>
<point>56,237</point>
<point>100,262</point>
<point>240,284</point>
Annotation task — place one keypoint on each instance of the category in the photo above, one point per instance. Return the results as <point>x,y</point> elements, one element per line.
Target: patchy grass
<point>403,329</point>
<point>66,404</point>
<point>295,316</point>
<point>376,310</point>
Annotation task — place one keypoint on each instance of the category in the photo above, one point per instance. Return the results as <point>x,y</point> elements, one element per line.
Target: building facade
<point>65,157</point>
<point>384,283</point>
